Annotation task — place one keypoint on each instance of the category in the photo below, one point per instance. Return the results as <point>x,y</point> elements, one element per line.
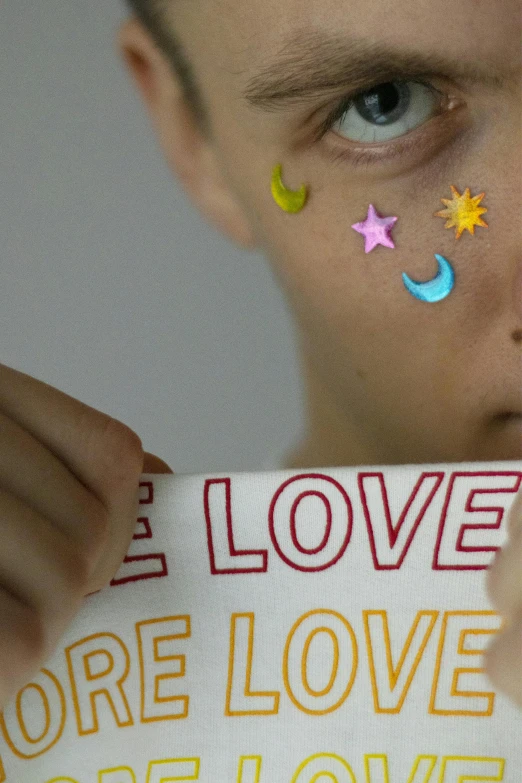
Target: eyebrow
<point>313,62</point>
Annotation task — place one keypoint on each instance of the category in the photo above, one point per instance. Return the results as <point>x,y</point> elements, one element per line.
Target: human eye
<point>386,112</point>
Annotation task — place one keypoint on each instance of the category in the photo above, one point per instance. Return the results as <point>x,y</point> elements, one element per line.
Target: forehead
<point>247,31</point>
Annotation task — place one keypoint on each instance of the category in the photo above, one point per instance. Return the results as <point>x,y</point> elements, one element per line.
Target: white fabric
<point>219,654</point>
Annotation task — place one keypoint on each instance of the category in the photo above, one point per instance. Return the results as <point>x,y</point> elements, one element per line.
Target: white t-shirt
<point>291,626</point>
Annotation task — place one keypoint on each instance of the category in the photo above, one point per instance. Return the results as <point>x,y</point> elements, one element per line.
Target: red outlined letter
<point>140,565</point>
<point>329,512</point>
<point>391,542</point>
<point>450,551</point>
<point>223,555</point>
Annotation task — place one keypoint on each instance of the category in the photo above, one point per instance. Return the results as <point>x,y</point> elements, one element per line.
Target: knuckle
<point>123,450</point>
<point>76,568</point>
<point>68,574</point>
<point>119,435</point>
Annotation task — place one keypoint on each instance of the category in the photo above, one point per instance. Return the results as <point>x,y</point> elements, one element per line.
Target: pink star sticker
<point>376,230</point>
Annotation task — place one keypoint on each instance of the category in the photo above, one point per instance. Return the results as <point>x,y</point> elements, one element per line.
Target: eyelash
<point>360,155</point>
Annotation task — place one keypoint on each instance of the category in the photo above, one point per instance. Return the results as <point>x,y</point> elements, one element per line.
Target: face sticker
<point>433,290</point>
<point>289,200</point>
<point>463,212</point>
<point>376,230</point>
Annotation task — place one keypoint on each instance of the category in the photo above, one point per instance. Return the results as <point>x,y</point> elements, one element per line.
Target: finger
<point>105,455</point>
<point>504,576</point>
<point>515,514</point>
<point>503,661</point>
<point>40,566</point>
<point>95,447</point>
<point>37,477</point>
<point>153,464</point>
<point>21,645</point>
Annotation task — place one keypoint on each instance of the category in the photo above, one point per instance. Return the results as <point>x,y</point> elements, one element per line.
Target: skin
<point>388,379</point>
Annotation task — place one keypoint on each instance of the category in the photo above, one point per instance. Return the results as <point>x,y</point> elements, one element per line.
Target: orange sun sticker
<point>463,212</point>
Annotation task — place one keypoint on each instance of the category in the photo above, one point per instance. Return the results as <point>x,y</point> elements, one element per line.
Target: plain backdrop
<point>113,288</point>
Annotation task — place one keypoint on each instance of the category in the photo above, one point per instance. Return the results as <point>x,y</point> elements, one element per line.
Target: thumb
<point>153,464</point>
<point>514,522</point>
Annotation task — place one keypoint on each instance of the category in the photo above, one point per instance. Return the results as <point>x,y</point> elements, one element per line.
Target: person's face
<point>417,381</point>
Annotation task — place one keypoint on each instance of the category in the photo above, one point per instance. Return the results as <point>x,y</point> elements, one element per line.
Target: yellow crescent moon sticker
<point>288,200</point>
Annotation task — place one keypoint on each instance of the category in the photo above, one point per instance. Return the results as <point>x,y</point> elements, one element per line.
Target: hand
<point>503,659</point>
<point>69,487</point>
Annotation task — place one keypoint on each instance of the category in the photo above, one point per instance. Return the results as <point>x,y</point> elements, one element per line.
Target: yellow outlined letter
<point>173,769</point>
<point>324,765</point>
<point>343,660</point>
<point>241,700</point>
<point>18,735</point>
<point>452,643</point>
<point>249,769</point>
<point>114,775</point>
<point>150,633</point>
<point>87,684</point>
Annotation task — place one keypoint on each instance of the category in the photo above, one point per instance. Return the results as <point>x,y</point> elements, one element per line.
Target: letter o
<point>338,524</point>
<point>296,661</point>
<point>17,736</point>
<point>324,765</point>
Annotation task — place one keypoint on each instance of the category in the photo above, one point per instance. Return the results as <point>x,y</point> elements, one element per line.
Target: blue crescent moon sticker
<point>433,290</point>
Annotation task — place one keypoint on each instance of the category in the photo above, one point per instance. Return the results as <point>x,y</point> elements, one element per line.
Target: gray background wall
<point>113,288</point>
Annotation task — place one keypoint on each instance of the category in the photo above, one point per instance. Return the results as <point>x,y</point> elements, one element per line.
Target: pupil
<point>388,98</point>
<point>384,104</point>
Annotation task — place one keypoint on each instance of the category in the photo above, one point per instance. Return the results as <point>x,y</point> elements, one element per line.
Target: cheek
<point>356,304</point>
<point>323,261</point>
